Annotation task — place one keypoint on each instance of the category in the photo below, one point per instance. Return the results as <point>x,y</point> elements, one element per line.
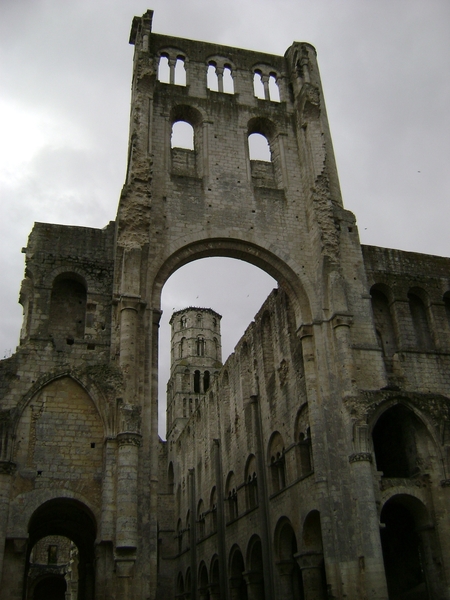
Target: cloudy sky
<point>64,107</point>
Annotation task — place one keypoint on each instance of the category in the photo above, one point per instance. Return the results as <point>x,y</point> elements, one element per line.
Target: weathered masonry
<point>314,462</point>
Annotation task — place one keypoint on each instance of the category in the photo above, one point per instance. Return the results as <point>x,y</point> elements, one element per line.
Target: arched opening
<point>384,325</point>
<point>274,90</point>
<point>67,308</point>
<point>213,510</point>
<point>420,322</point>
<point>255,574</point>
<point>259,147</point>
<point>238,587</point>
<point>310,558</point>
<point>215,578</point>
<point>412,561</point>
<point>203,584</point>
<point>258,86</point>
<point>163,69</point>
<point>212,82</point>
<point>180,71</point>
<point>231,497</point>
<point>52,587</point>
<point>200,520</point>
<point>303,441</point>
<point>401,443</point>
<point>290,583</point>
<point>71,529</point>
<point>251,483</point>
<point>182,135</point>
<point>277,462</point>
<point>189,286</point>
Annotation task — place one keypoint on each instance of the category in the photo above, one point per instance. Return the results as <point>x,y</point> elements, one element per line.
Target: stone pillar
<point>7,468</point>
<point>371,565</point>
<point>311,565</point>
<point>14,564</point>
<point>255,585</point>
<point>341,325</point>
<point>214,591</point>
<point>235,588</point>
<point>265,82</point>
<point>219,73</point>
<point>221,520</point>
<point>128,321</point>
<point>172,63</point>
<point>285,570</point>
<point>263,495</point>
<point>126,520</point>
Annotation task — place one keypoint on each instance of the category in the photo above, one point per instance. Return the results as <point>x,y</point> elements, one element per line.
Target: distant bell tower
<point>196,355</point>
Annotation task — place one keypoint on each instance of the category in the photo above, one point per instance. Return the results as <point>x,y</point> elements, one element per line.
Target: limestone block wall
<point>411,299</point>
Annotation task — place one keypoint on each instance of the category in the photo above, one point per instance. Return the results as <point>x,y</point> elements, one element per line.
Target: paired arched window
<point>219,78</point>
<point>172,69</point>
<point>231,497</point>
<point>265,85</point>
<point>251,483</point>
<point>277,462</point>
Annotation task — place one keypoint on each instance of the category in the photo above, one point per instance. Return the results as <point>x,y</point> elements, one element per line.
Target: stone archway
<point>73,520</point>
<point>411,552</point>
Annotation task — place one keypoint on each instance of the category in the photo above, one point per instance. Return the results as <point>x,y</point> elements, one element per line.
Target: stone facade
<point>314,463</point>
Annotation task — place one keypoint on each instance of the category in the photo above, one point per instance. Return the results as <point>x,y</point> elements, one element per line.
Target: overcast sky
<point>64,108</point>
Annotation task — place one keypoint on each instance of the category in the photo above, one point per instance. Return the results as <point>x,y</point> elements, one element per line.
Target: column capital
<point>128,438</point>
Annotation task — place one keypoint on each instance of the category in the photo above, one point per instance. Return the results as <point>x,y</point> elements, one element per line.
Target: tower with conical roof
<point>196,355</point>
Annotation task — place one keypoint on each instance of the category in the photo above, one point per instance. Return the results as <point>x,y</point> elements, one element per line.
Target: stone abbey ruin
<point>315,462</point>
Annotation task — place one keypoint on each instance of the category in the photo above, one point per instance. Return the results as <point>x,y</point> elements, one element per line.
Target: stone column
<point>341,324</point>
<point>311,565</point>
<point>255,585</point>
<point>235,588</point>
<point>129,306</point>
<point>126,520</point>
<point>219,73</point>
<point>265,82</point>
<point>285,569</point>
<point>371,564</point>
<point>7,468</point>
<point>214,591</point>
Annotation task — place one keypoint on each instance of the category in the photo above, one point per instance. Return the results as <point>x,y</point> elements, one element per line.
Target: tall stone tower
<point>315,463</point>
<point>196,358</point>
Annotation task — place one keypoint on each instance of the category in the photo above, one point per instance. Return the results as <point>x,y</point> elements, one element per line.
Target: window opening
<point>200,346</point>
<point>197,382</point>
<point>206,381</point>
<point>274,90</point>
<point>258,86</point>
<point>228,83</point>
<point>180,71</point>
<point>259,148</point>
<point>164,69</point>
<point>212,81</point>
<point>182,135</point>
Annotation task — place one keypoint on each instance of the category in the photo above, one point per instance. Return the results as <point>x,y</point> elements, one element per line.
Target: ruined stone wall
<point>411,296</point>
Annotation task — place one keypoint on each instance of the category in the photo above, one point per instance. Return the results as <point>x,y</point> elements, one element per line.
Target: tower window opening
<point>200,346</point>
<point>274,90</point>
<point>180,71</point>
<point>228,83</point>
<point>164,69</point>
<point>258,86</point>
<point>182,135</point>
<point>197,382</point>
<point>212,81</point>
<point>206,381</point>
<point>259,148</point>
